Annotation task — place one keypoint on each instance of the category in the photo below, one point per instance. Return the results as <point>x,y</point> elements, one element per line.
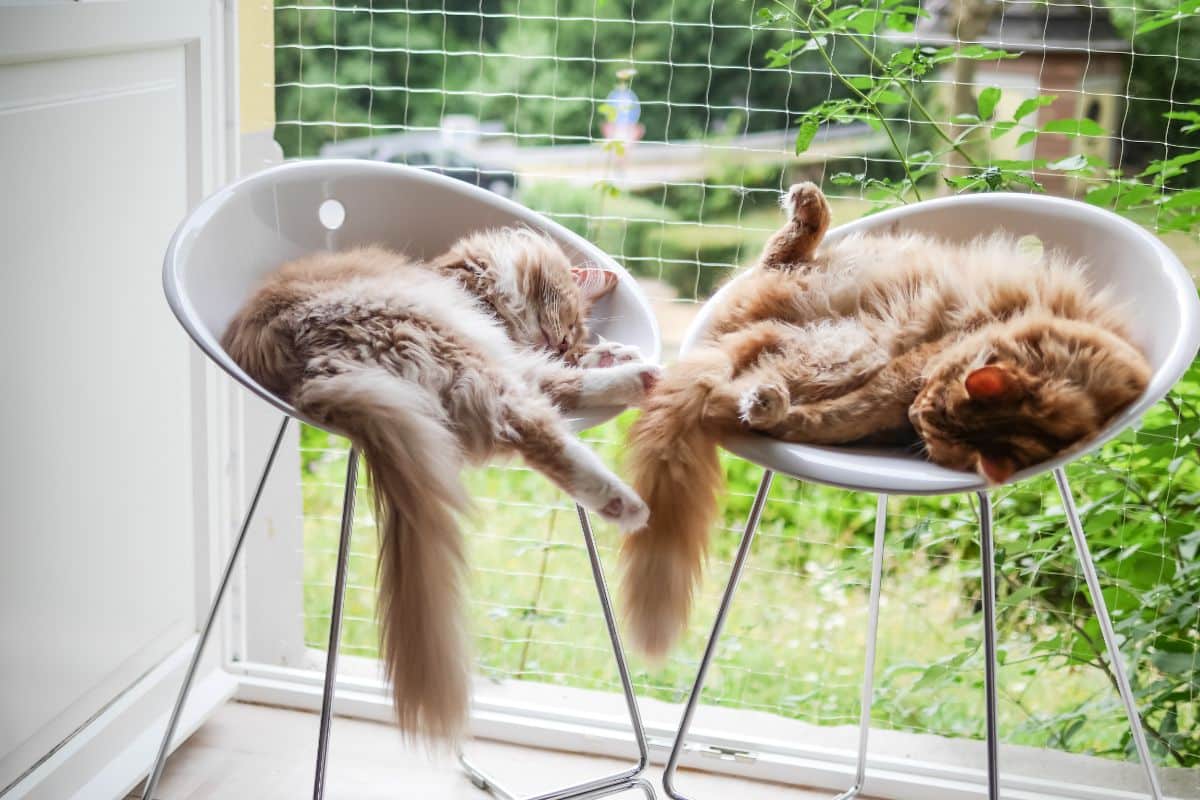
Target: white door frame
<point>105,755</point>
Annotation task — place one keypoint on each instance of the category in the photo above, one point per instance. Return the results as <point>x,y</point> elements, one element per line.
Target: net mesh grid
<point>794,642</point>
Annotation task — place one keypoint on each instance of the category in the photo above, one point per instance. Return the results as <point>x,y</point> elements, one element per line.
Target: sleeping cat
<point>989,358</point>
<point>427,367</point>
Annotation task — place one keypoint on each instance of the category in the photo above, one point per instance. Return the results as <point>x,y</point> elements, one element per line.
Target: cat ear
<point>990,383</point>
<point>594,282</point>
<point>996,469</point>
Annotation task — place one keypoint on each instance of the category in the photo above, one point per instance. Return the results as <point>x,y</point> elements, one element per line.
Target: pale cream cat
<point>428,367</point>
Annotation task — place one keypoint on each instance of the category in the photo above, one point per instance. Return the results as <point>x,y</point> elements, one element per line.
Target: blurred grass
<point>794,640</point>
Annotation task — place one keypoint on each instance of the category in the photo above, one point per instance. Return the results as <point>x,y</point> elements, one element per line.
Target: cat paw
<point>625,509</point>
<point>621,385</point>
<point>805,202</point>
<point>764,405</point>
<point>608,354</point>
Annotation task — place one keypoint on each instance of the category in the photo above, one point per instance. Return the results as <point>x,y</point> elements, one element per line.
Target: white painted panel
<point>96,490</point>
<point>271,593</point>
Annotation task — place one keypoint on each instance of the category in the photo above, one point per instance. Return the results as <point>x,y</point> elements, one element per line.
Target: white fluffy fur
<point>427,367</point>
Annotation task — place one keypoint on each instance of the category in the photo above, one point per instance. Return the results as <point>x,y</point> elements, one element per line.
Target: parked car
<point>457,165</point>
<point>431,151</point>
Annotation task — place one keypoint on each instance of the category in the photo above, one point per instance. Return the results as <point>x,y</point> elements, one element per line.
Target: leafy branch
<point>845,109</point>
<point>890,83</point>
<point>895,80</point>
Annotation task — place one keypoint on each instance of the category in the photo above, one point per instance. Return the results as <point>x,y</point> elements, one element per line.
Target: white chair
<point>234,238</point>
<point>1119,254</point>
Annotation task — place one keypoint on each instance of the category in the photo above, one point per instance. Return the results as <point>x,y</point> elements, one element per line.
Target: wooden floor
<point>249,751</point>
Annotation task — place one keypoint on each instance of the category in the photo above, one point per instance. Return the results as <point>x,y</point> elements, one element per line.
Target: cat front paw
<point>625,509</point>
<point>608,354</point>
<point>622,385</point>
<point>764,405</point>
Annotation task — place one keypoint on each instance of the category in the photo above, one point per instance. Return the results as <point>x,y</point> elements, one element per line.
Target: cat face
<point>1038,389</point>
<point>529,283</point>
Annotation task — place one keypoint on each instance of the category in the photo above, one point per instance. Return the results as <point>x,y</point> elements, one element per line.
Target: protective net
<point>664,132</point>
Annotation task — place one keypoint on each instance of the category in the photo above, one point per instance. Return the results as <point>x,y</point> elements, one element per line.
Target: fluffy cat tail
<point>675,469</point>
<point>414,461</point>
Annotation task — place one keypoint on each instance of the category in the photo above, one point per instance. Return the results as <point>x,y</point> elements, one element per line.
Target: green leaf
<point>1074,127</point>
<point>1180,664</point>
<point>787,52</point>
<point>977,52</point>
<point>809,126</point>
<point>988,99</point>
<point>1189,545</point>
<point>888,97</point>
<point>864,21</point>
<point>1031,105</point>
<point>1166,17</point>
<point>615,146</point>
<point>1171,166</point>
<point>1027,137</point>
<point>1185,116</point>
<point>901,23</point>
<point>1001,128</point>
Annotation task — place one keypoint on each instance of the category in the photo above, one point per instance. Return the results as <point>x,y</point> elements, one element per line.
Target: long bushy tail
<point>415,461</point>
<point>675,470</point>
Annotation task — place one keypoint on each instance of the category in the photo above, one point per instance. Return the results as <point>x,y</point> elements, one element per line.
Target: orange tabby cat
<point>427,367</point>
<point>992,358</point>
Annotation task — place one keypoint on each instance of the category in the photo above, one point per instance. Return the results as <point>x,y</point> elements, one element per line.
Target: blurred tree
<point>544,72</point>
<point>1163,77</point>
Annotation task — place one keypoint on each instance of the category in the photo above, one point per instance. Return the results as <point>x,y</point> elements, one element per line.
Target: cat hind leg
<point>764,405</point>
<point>808,219</point>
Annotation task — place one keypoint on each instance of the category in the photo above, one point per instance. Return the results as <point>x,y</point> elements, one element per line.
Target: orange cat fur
<point>990,358</point>
<point>428,367</point>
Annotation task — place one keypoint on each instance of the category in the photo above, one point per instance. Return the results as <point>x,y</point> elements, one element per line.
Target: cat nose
<point>563,347</point>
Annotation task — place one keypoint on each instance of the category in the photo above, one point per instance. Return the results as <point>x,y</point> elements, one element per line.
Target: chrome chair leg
<point>868,688</point>
<point>735,575</point>
<point>164,747</point>
<point>335,623</point>
<point>1110,636</point>
<point>987,562</point>
<point>611,784</point>
<point>485,782</point>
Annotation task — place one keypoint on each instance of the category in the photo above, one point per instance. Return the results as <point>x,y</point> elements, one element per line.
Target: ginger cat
<point>428,367</point>
<point>989,358</point>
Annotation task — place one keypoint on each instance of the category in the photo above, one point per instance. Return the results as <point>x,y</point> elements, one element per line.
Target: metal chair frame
<point>236,236</point>
<point>609,784</point>
<point>1122,255</point>
<point>987,562</point>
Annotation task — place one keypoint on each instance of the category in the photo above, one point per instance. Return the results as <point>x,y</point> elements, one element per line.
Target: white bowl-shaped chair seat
<point>1165,319</point>
<point>232,240</point>
<point>235,238</point>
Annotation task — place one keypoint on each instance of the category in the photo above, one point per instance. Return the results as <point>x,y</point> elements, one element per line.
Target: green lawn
<point>794,641</point>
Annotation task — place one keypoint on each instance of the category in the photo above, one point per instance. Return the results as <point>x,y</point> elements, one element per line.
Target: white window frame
<point>266,652</point>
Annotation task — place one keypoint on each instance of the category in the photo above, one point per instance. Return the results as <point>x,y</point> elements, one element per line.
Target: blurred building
<point>1069,49</point>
